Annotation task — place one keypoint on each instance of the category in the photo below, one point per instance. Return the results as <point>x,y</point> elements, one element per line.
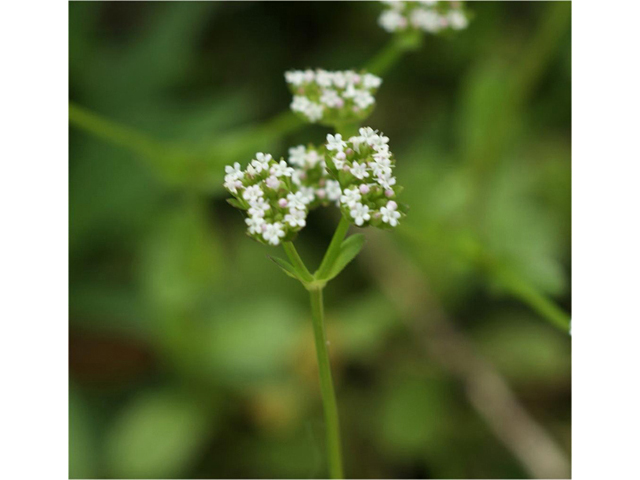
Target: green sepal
<point>348,251</point>
<point>234,202</point>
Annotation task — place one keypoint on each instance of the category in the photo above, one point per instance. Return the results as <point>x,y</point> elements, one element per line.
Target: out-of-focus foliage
<point>191,354</point>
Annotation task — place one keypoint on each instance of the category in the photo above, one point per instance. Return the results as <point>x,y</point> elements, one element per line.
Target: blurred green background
<point>191,355</point>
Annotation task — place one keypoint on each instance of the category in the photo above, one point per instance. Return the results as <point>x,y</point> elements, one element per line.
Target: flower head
<point>332,98</point>
<point>426,16</point>
<point>363,167</point>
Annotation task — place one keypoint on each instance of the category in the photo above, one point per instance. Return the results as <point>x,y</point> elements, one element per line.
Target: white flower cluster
<point>311,176</point>
<point>363,165</point>
<point>332,98</point>
<point>276,208</point>
<point>428,16</point>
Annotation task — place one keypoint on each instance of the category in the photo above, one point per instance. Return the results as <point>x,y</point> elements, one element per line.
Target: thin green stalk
<point>297,262</point>
<point>113,132</point>
<point>393,51</point>
<point>332,423</point>
<point>334,248</point>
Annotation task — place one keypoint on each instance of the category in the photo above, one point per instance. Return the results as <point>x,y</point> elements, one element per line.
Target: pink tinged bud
<point>263,227</point>
<point>349,151</point>
<point>341,156</point>
<point>391,205</point>
<point>376,215</point>
<point>303,175</point>
<point>320,193</point>
<point>388,193</point>
<point>283,203</point>
<point>346,168</point>
<point>340,103</point>
<point>364,189</point>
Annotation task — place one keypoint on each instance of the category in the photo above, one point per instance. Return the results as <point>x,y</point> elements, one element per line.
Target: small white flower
<point>258,207</point>
<point>314,111</point>
<point>335,142</point>
<point>331,98</point>
<point>360,213</point>
<point>297,200</point>
<point>281,169</point>
<point>232,185</point>
<point>252,193</point>
<point>363,99</point>
<point>307,194</point>
<point>300,104</point>
<point>297,155</point>
<point>359,170</point>
<point>323,78</point>
<point>312,158</point>
<point>294,77</point>
<point>381,166</point>
<point>261,162</point>
<point>392,20</point>
<point>254,224</point>
<point>386,180</point>
<point>379,142</point>
<point>457,20</point>
<point>427,20</point>
<point>332,188</point>
<point>367,133</point>
<point>350,197</point>
<point>296,218</point>
<point>273,233</point>
<point>390,214</point>
<point>371,81</point>
<point>233,172</point>
<point>339,79</point>
<point>272,182</point>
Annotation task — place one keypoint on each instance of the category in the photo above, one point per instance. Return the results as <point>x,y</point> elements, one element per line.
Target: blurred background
<point>191,354</point>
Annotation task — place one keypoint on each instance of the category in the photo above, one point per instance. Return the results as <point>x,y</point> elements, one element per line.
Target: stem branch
<point>334,248</point>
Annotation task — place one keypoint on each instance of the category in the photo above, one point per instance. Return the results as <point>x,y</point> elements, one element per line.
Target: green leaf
<point>158,435</point>
<point>286,267</point>
<point>348,251</point>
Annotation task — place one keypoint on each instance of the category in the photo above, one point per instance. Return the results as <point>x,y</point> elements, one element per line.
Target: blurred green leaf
<point>348,251</point>
<point>158,435</point>
<point>286,267</point>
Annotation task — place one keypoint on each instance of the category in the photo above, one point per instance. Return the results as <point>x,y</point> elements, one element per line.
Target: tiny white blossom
<point>300,104</point>
<point>273,233</point>
<point>294,77</point>
<point>252,193</point>
<point>371,81</point>
<point>324,78</point>
<point>367,133</point>
<point>331,98</point>
<point>360,213</point>
<point>232,185</point>
<point>272,182</point>
<point>296,218</point>
<point>392,20</point>
<point>359,170</point>
<point>363,99</point>
<point>307,194</point>
<point>335,142</point>
<point>458,20</point>
<point>233,172</point>
<point>386,180</point>
<point>314,111</point>
<point>312,158</point>
<point>350,197</point>
<point>258,207</point>
<point>332,188</point>
<point>281,169</point>
<point>297,200</point>
<point>297,155</point>
<point>339,79</point>
<point>254,224</point>
<point>390,214</point>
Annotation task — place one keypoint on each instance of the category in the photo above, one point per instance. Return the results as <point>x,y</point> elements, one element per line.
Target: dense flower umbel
<point>363,165</point>
<point>427,16</point>
<point>332,98</point>
<point>276,206</point>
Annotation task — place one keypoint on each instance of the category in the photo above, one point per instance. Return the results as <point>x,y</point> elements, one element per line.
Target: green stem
<point>393,51</point>
<point>334,248</point>
<point>297,262</point>
<point>332,423</point>
<point>114,132</point>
